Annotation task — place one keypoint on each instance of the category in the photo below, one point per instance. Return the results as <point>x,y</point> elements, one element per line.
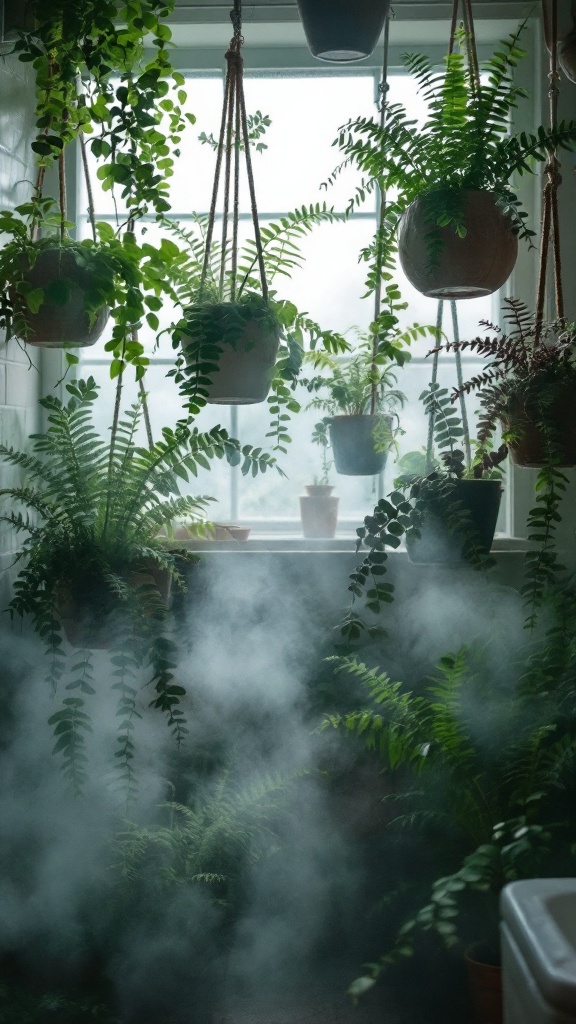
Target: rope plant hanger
<point>232,332</point>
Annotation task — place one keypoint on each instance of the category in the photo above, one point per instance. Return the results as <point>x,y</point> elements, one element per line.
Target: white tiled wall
<point>19,376</point>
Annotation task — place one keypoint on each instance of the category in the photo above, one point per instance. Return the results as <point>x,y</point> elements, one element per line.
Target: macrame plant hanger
<point>550,226</point>
<point>233,138</point>
<point>474,70</point>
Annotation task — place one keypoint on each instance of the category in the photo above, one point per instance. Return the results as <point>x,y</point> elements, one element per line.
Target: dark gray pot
<point>352,441</point>
<point>342,30</point>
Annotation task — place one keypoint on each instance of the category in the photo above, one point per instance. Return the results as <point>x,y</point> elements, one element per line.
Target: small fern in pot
<point>93,563</point>
<point>457,212</point>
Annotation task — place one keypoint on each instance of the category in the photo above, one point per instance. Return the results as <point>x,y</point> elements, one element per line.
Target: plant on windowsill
<point>496,799</point>
<point>457,213</point>
<point>358,391</point>
<point>319,507</point>
<point>94,567</point>
<point>444,508</point>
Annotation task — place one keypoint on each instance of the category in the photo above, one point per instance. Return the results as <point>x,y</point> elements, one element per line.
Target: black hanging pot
<point>342,30</point>
<point>352,442</point>
<point>458,518</point>
<point>62,318</point>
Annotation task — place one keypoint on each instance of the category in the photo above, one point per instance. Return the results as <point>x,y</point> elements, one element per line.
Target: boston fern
<point>92,513</point>
<point>463,144</point>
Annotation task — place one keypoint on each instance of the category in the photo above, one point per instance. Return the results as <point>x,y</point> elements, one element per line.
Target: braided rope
<point>383,90</point>
<point>460,379</point>
<point>550,226</point>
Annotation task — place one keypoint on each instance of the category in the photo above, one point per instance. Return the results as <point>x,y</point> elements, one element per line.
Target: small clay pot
<point>319,511</point>
<point>54,325</point>
<point>468,267</point>
<point>352,442</point>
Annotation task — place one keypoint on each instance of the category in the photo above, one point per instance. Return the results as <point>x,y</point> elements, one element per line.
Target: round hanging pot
<point>342,30</point>
<point>352,442</point>
<point>240,372</point>
<point>93,618</point>
<point>62,318</point>
<point>531,449</point>
<point>567,53</point>
<point>485,984</point>
<point>438,543</point>
<point>446,266</point>
<point>319,511</point>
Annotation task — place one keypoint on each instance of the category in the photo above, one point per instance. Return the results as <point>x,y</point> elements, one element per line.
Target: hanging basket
<point>62,319</point>
<point>465,268</point>
<point>352,442</point>
<point>531,450</point>
<point>438,544</point>
<point>234,367</point>
<point>342,30</point>
<point>319,511</point>
<point>93,618</point>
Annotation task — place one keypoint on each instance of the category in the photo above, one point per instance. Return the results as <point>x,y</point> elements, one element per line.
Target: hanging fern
<point>93,513</point>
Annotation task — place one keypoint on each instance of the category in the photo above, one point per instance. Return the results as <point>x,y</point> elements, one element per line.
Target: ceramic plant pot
<point>92,617</point>
<point>530,450</point>
<point>244,371</point>
<point>319,511</point>
<point>58,324</point>
<point>466,268</point>
<point>352,442</point>
<point>485,984</point>
<point>342,30</point>
<point>438,544</point>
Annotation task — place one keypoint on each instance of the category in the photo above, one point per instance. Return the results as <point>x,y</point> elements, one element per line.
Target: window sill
<point>292,544</point>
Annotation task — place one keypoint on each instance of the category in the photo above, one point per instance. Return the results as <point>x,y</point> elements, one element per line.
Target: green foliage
<point>464,142</point>
<point>210,843</point>
<point>500,787</point>
<point>93,510</point>
<point>20,1006</point>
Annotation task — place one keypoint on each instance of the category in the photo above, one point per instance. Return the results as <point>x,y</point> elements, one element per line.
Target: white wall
<point>19,376</point>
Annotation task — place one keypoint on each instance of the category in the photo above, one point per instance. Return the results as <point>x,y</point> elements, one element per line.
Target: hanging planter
<point>65,315</point>
<point>342,30</point>
<point>457,518</point>
<point>232,349</point>
<point>543,432</point>
<point>354,440</point>
<point>319,511</point>
<point>93,617</point>
<point>231,335</point>
<point>442,263</point>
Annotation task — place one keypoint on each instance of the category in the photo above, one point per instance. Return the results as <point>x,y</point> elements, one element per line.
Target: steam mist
<point>254,632</point>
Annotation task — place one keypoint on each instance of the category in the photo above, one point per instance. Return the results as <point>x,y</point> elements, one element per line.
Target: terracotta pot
<point>485,982</point>
<point>342,30</point>
<point>567,53</point>
<point>319,511</point>
<point>530,450</point>
<point>468,267</point>
<point>94,619</point>
<point>437,545</point>
<point>54,325</point>
<point>244,372</point>
<point>352,441</point>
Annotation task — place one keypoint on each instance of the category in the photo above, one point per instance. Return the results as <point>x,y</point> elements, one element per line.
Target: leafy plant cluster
<point>463,144</point>
<point>496,794</point>
<point>92,513</point>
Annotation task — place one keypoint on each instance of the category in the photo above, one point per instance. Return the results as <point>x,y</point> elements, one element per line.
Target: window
<point>299,157</point>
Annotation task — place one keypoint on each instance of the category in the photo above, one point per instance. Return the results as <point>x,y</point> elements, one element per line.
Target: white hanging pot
<point>342,30</point>
<point>57,324</point>
<point>462,267</point>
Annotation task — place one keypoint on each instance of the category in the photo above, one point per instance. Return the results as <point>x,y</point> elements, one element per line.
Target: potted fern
<point>357,391</point>
<point>457,214</point>
<point>93,565</point>
<point>495,802</point>
<point>528,386</point>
